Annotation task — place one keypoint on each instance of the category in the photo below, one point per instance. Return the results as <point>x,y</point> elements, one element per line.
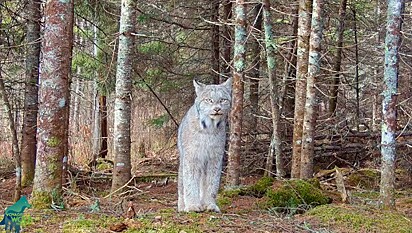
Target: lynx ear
<point>198,86</point>
<point>228,84</point>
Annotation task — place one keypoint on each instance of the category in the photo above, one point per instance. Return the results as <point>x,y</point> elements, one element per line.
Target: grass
<point>361,219</point>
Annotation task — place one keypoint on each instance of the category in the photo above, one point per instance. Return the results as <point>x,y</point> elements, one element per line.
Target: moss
<point>365,178</point>
<point>27,180</point>
<point>358,219</point>
<point>369,195</point>
<point>259,188</point>
<point>231,192</point>
<point>53,141</point>
<point>52,167</point>
<point>94,224</point>
<point>41,200</point>
<point>104,166</point>
<point>223,201</point>
<point>295,194</point>
<point>44,199</point>
<point>28,220</point>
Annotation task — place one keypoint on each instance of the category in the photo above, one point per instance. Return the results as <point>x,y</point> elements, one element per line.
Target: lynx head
<point>213,103</point>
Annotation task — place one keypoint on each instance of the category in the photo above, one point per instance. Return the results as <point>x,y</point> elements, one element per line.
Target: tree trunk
<point>96,142</point>
<point>28,141</point>
<point>103,126</point>
<point>390,92</point>
<point>215,41</point>
<point>15,142</point>
<point>305,8</point>
<point>355,37</point>
<point>235,140</point>
<point>333,99</point>
<point>276,143</point>
<point>122,105</point>
<point>227,40</point>
<point>288,88</point>
<point>255,72</point>
<point>309,120</point>
<point>75,116</point>
<point>52,133</point>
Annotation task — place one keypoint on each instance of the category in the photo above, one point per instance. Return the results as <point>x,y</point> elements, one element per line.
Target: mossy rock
<point>259,188</point>
<point>365,178</point>
<point>295,194</point>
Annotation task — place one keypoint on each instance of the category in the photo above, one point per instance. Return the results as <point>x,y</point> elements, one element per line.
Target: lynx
<point>201,143</point>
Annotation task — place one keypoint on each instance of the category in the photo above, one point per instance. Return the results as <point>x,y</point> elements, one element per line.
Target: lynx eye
<point>208,100</point>
<point>224,101</point>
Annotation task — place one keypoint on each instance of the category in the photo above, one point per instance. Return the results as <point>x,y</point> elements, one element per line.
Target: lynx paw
<point>193,208</point>
<point>213,207</point>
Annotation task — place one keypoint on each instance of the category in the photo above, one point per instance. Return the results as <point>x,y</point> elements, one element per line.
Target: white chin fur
<point>216,117</point>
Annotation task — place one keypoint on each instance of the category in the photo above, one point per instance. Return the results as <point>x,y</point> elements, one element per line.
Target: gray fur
<point>201,143</point>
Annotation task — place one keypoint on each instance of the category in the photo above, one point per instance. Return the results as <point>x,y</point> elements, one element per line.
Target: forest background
<point>174,42</point>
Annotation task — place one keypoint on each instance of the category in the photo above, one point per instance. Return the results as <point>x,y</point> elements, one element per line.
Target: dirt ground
<point>153,200</point>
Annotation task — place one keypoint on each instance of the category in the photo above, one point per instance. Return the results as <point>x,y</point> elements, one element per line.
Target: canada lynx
<point>201,143</point>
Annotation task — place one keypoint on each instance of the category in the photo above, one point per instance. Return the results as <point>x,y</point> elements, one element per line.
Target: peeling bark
<point>122,105</point>
<point>54,80</point>
<point>235,140</point>
<point>390,92</point>
<point>305,7</point>
<point>309,120</point>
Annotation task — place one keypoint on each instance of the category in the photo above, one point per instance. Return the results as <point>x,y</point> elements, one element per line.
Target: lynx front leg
<point>211,187</point>
<point>181,195</point>
<point>191,187</point>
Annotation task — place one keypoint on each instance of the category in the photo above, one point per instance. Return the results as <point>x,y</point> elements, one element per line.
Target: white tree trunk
<point>309,119</point>
<point>122,104</point>
<point>389,113</point>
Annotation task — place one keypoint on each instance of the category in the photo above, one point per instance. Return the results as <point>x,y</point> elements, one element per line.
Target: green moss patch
<point>259,188</point>
<point>355,219</point>
<point>83,224</point>
<point>365,179</point>
<point>295,195</point>
<point>41,200</point>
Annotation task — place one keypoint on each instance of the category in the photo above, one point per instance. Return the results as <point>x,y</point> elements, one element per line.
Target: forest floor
<point>90,208</point>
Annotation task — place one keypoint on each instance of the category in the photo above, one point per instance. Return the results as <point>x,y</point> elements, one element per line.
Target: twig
<point>115,191</point>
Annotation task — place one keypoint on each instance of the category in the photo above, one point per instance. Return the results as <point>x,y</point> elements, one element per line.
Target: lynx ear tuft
<point>228,84</point>
<point>198,86</point>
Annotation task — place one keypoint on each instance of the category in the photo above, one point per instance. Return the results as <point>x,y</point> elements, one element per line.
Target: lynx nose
<point>217,109</point>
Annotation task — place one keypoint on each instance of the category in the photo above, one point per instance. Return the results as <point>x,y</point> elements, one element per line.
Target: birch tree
<point>390,92</point>
<point>235,141</point>
<point>122,105</point>
<point>309,119</point>
<point>54,79</point>
<point>305,8</point>
<point>275,145</point>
